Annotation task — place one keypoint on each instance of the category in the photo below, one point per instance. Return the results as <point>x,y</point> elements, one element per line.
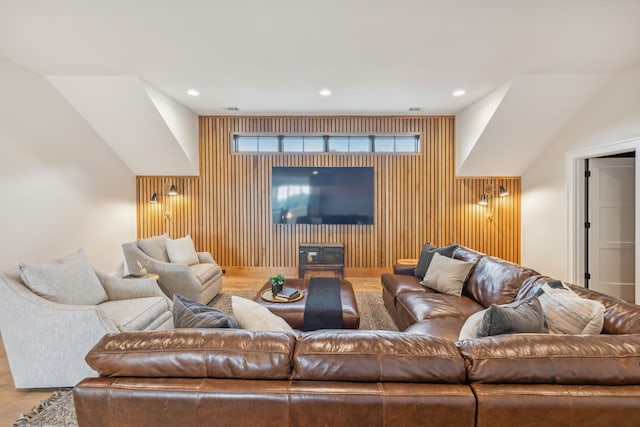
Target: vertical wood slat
<point>417,197</point>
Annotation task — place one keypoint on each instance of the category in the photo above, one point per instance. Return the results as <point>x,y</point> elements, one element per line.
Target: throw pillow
<point>567,313</point>
<point>253,316</point>
<point>155,247</point>
<point>66,280</point>
<point>191,314</point>
<point>447,275</point>
<point>182,251</point>
<point>426,255</point>
<point>524,316</point>
<point>470,326</point>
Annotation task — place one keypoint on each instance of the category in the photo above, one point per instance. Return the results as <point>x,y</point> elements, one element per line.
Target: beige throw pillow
<point>155,247</point>
<point>66,280</point>
<point>253,316</point>
<point>447,275</point>
<point>567,313</point>
<point>182,251</point>
<point>470,326</point>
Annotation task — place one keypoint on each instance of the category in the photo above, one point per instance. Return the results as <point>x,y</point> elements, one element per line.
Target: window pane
<point>339,144</point>
<point>292,144</point>
<point>384,144</point>
<point>268,143</point>
<point>358,144</point>
<point>406,144</point>
<point>247,143</point>
<point>313,144</point>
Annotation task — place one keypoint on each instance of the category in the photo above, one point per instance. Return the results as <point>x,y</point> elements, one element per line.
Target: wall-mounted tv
<point>322,195</point>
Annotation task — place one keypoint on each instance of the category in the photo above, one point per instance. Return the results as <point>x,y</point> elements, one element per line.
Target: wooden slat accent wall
<point>417,197</point>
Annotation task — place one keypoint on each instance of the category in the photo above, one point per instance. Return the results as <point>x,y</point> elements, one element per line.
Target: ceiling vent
<point>414,109</point>
<point>231,108</point>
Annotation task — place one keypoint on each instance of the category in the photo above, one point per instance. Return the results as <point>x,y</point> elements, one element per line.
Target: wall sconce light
<point>167,190</point>
<point>490,191</point>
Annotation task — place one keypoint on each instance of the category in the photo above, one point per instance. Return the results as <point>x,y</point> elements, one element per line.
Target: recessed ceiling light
<point>193,92</point>
<point>325,92</point>
<point>458,92</point>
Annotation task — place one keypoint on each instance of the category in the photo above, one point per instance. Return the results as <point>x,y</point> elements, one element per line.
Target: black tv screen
<point>322,195</point>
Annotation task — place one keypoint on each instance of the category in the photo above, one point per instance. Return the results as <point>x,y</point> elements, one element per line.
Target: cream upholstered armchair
<point>194,275</point>
<point>52,314</point>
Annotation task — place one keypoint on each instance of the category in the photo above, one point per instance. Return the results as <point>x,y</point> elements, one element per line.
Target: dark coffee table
<point>293,312</point>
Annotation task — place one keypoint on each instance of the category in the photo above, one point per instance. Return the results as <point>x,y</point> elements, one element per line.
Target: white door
<point>612,231</point>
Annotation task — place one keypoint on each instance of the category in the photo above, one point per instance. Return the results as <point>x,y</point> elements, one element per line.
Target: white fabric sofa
<point>200,281</point>
<point>47,339</point>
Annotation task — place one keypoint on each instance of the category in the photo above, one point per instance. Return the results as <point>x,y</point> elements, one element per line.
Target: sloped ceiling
<point>526,66</point>
<point>153,134</point>
<point>501,134</point>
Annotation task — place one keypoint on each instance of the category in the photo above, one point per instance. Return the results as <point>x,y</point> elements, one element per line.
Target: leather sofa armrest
<point>404,269</point>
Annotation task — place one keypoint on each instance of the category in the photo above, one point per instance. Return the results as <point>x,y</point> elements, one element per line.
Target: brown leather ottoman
<point>293,312</point>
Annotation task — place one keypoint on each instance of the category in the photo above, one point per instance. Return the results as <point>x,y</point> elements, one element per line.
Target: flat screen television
<point>322,195</point>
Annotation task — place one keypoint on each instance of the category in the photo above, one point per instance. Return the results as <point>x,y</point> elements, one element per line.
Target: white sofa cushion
<point>135,314</point>
<point>182,251</point>
<point>66,280</point>
<point>253,316</point>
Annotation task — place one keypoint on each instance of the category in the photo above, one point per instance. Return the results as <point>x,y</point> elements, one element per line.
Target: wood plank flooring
<point>14,402</point>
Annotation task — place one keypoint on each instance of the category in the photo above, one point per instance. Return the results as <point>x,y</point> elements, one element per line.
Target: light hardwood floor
<point>14,402</point>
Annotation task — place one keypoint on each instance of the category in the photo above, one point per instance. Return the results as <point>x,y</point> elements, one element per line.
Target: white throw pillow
<point>567,313</point>
<point>446,275</point>
<point>66,280</point>
<point>182,251</point>
<point>470,326</point>
<point>253,316</point>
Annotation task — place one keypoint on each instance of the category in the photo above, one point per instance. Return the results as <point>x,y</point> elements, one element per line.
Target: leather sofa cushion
<point>556,405</point>
<point>373,356</point>
<point>467,255</point>
<point>495,281</point>
<point>448,329</point>
<point>194,353</point>
<point>434,305</point>
<point>398,283</point>
<point>553,359</point>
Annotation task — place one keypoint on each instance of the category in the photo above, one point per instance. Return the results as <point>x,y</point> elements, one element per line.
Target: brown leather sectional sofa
<point>422,376</point>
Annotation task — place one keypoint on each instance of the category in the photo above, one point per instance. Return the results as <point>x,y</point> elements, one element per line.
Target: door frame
<point>576,211</point>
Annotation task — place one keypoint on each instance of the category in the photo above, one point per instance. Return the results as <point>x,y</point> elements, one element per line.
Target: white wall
<point>61,187</point>
<point>612,115</point>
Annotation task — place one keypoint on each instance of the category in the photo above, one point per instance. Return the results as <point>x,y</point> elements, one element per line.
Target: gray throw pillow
<point>524,316</point>
<point>427,255</point>
<point>447,275</point>
<point>155,247</point>
<point>191,314</point>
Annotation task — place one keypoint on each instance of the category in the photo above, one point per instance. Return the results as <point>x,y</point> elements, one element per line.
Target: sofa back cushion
<point>467,255</point>
<point>553,359</point>
<point>66,280</point>
<point>495,281</point>
<point>194,353</point>
<point>372,356</point>
<point>155,247</point>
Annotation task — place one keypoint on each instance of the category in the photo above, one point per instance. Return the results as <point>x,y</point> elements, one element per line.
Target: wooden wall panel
<point>417,197</point>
